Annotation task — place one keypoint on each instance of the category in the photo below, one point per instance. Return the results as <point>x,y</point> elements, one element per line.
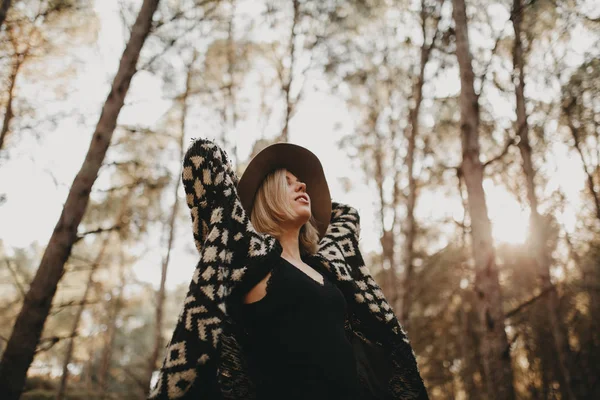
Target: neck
<point>290,244</point>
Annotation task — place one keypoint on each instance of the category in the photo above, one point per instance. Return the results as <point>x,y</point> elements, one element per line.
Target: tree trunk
<point>8,113</point>
<point>160,303</point>
<point>469,367</point>
<point>414,112</point>
<point>3,11</point>
<point>587,169</point>
<point>494,343</point>
<point>388,242</point>
<point>71,345</point>
<point>30,322</point>
<point>539,251</point>
<point>410,227</point>
<point>117,304</point>
<point>62,388</point>
<point>232,118</point>
<point>287,84</point>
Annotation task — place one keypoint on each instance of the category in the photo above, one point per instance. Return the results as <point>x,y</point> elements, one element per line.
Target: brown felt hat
<point>299,161</point>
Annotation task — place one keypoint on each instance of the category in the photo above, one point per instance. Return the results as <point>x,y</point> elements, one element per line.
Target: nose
<point>301,186</point>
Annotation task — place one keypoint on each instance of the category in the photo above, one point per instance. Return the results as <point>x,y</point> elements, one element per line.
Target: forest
<point>466,133</point>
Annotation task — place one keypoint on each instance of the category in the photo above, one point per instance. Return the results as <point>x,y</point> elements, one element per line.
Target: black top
<point>297,347</point>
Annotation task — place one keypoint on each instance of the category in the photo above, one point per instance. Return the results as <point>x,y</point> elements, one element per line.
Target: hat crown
<point>299,161</point>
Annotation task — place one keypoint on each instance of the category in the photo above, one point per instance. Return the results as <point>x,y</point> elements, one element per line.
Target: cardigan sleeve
<point>232,256</point>
<point>344,219</point>
<point>340,248</point>
<point>373,319</point>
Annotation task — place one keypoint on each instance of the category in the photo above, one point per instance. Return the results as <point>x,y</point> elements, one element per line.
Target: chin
<point>305,218</point>
<point>303,215</point>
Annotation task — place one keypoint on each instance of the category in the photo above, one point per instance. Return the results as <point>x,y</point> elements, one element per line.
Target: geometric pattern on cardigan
<point>204,358</point>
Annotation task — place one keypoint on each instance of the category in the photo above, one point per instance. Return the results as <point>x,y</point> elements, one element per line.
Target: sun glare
<point>510,222</point>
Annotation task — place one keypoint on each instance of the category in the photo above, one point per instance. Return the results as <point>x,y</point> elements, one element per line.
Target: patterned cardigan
<point>205,359</point>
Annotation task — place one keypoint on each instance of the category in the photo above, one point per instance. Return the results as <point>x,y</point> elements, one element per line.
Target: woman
<point>281,305</point>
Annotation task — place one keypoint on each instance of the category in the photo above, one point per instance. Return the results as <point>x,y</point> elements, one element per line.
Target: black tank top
<point>296,344</point>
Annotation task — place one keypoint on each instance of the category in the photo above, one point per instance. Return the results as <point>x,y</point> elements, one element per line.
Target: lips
<point>303,198</point>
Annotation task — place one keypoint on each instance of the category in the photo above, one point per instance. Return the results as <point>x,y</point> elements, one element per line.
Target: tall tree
<point>230,113</point>
<point>18,60</point>
<point>160,302</point>
<point>3,11</point>
<point>115,305</point>
<point>308,24</point>
<point>32,30</point>
<point>494,343</point>
<point>537,243</point>
<point>376,64</point>
<point>426,14</point>
<point>579,102</point>
<point>372,76</point>
<point>85,297</point>
<point>287,78</point>
<point>30,322</point>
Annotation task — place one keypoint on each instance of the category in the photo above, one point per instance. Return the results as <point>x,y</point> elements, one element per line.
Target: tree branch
<point>137,163</point>
<point>156,184</point>
<point>486,68</point>
<point>15,278</point>
<point>525,304</point>
<point>95,231</point>
<point>137,380</point>
<point>509,143</point>
<point>49,342</point>
<point>7,306</point>
<point>148,64</point>
<point>59,307</point>
<point>456,168</point>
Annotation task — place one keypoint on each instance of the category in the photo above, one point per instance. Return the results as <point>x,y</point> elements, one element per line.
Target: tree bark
<point>468,349</point>
<point>410,227</point>
<point>494,343</point>
<point>388,241</point>
<point>30,322</point>
<point>410,223</point>
<point>287,84</point>
<point>232,118</point>
<point>71,345</point>
<point>387,237</point>
<point>539,251</point>
<point>8,113</point>
<point>3,11</point>
<point>62,388</point>
<point>587,169</point>
<point>160,303</point>
<point>19,59</point>
<point>111,332</point>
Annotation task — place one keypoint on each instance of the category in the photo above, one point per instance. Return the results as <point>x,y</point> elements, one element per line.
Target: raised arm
<point>221,227</point>
<point>372,315</point>
<point>340,248</point>
<point>232,256</point>
<point>344,219</point>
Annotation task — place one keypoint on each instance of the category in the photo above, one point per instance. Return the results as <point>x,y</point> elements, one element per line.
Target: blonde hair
<point>271,208</point>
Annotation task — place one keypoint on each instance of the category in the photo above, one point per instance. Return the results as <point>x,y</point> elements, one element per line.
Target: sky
<point>37,177</point>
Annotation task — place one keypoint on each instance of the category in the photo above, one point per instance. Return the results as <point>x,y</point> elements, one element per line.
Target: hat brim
<point>299,161</point>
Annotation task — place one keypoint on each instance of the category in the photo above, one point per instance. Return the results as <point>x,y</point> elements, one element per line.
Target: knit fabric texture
<point>204,358</point>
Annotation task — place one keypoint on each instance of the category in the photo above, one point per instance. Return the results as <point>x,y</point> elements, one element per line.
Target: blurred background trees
<point>465,132</point>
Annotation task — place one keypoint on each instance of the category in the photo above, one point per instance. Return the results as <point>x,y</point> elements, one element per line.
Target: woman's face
<point>299,199</point>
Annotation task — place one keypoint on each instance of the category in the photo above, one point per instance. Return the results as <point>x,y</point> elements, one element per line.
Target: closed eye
<point>289,181</point>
